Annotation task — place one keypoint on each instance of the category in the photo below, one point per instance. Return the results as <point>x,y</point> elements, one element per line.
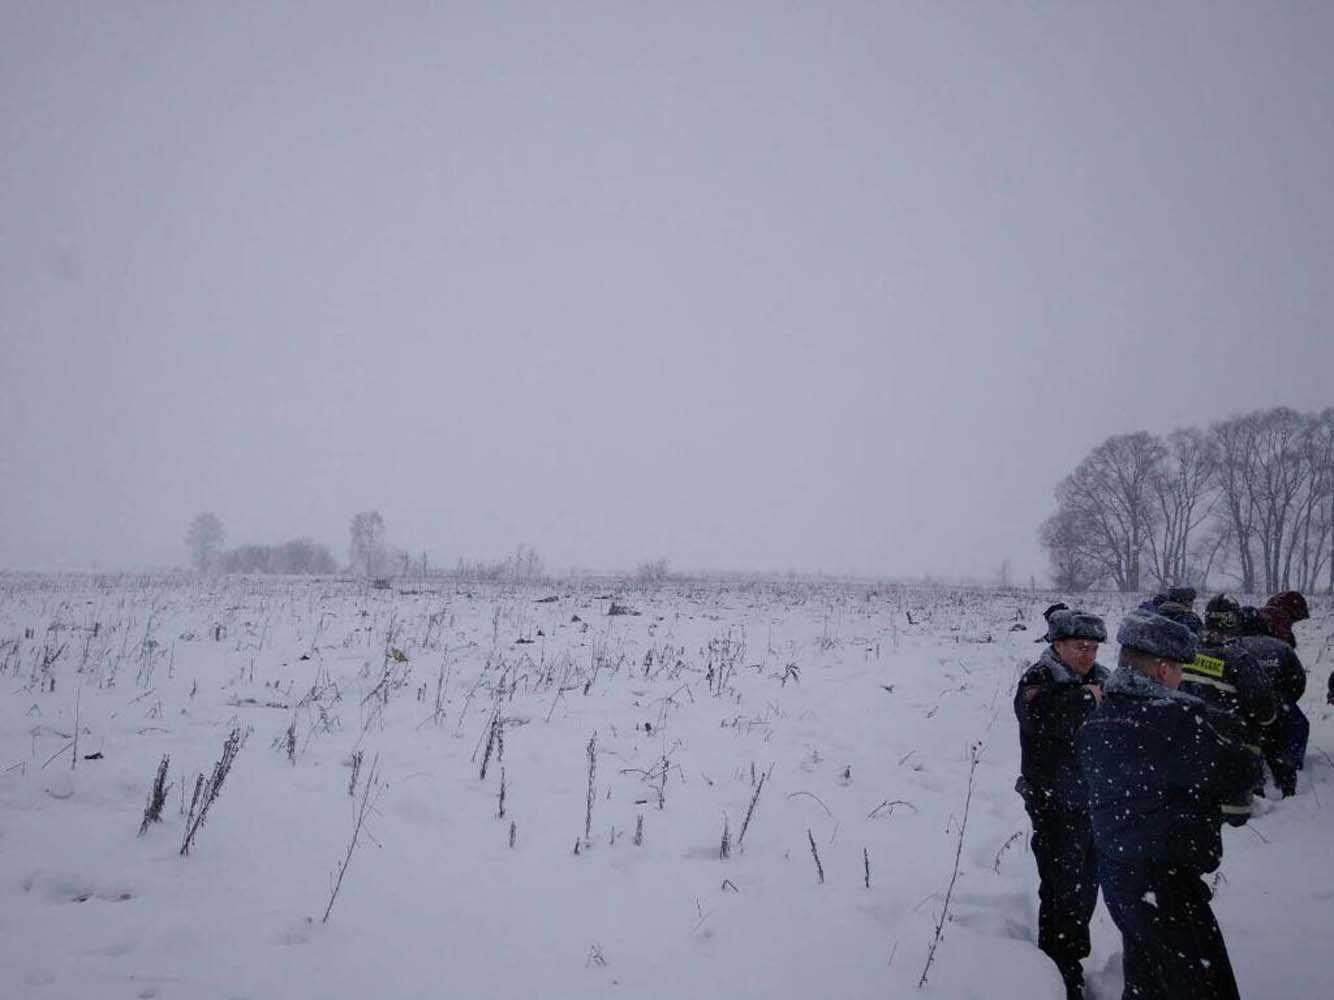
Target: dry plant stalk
<point>493,735</point>
<point>976,755</point>
<point>194,799</point>
<point>74,758</point>
<point>213,787</point>
<point>370,794</point>
<point>157,798</point>
<point>356,772</point>
<point>745,823</point>
<point>592,775</point>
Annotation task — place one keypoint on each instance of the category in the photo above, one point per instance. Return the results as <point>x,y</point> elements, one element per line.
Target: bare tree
<point>1235,443</point>
<point>1215,546</point>
<point>1308,547</point>
<point>203,540</point>
<point>304,555</point>
<point>652,571</point>
<point>1252,498</point>
<point>1282,481</point>
<point>1075,567</point>
<point>300,555</point>
<point>1323,446</point>
<point>527,563</point>
<point>1109,496</point>
<point>1185,495</point>
<point>366,547</point>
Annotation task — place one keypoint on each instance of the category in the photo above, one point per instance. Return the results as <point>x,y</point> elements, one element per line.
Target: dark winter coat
<point>1282,611</point>
<point>1051,703</point>
<point>1159,765</point>
<point>1281,662</point>
<point>1230,678</point>
<point>1277,626</point>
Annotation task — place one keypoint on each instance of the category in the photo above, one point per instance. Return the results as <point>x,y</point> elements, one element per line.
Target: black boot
<point>1073,976</point>
<point>1285,777</point>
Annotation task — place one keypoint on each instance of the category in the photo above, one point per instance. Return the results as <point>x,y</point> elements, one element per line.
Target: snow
<point>867,745</point>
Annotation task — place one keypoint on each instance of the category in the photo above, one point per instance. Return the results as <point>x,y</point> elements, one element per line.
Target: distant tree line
<point>369,555</point>
<point>524,566</point>
<point>204,541</point>
<point>299,556</point>
<point>1251,499</point>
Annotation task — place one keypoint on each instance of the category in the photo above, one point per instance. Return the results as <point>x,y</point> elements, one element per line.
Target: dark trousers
<point>1284,746</point>
<point>1067,884</point>
<point>1299,732</point>
<point>1173,948</point>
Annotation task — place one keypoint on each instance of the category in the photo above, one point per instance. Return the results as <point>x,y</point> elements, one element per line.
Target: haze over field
<point>757,287</point>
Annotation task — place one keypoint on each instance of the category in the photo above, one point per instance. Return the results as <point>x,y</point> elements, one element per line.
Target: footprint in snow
<point>67,887</point>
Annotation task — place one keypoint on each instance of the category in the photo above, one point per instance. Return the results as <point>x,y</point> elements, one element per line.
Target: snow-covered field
<point>848,715</point>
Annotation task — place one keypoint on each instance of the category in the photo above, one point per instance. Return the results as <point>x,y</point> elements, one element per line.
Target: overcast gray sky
<point>761,285</point>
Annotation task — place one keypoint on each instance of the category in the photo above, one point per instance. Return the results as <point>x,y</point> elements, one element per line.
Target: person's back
<point>1225,673</point>
<point>1228,678</point>
<point>1282,611</point>
<point>1284,744</point>
<point>1159,764</point>
<point>1280,663</point>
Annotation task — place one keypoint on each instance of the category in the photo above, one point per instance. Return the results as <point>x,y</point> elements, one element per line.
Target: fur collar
<point>1062,674</point>
<point>1127,681</point>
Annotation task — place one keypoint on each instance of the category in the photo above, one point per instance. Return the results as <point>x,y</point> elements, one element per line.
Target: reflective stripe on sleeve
<point>1190,677</point>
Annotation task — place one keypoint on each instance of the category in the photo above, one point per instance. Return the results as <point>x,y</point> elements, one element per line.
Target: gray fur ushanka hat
<point>1158,636</point>
<point>1065,623</point>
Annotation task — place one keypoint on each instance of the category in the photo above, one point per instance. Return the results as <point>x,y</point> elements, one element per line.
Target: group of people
<point>1128,775</point>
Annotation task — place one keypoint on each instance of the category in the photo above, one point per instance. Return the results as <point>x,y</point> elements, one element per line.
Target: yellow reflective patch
<point>1209,666</point>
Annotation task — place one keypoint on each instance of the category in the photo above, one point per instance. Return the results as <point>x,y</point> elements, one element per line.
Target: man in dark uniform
<point>1054,697</point>
<point>1284,610</point>
<point>1227,676</point>
<point>1159,764</point>
<point>1267,635</point>
<point>1185,596</point>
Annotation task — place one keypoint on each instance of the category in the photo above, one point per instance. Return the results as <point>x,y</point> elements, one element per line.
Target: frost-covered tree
<point>248,559</point>
<point>1251,498</point>
<point>1318,544</point>
<point>299,556</point>
<point>1184,490</point>
<point>1271,474</point>
<point>203,540</point>
<point>366,542</point>
<point>304,555</point>
<point>1075,566</point>
<point>652,571</point>
<point>1109,497</point>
